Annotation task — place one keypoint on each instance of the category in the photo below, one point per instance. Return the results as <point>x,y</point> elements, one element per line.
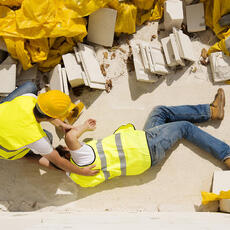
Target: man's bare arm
<point>67,166</point>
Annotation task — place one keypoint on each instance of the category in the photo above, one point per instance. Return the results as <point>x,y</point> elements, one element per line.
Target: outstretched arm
<point>65,165</point>
<point>71,137</point>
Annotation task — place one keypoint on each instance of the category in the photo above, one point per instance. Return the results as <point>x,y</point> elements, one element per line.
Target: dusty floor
<point>174,184</point>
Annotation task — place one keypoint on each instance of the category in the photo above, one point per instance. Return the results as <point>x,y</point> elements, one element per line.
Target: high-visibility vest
<point>124,153</point>
<point>18,127</point>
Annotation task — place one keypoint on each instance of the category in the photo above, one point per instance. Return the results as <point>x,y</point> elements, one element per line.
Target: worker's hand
<point>90,124</point>
<point>89,171</point>
<point>66,127</point>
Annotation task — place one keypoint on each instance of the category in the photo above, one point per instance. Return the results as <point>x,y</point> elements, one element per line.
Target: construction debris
<point>173,14</point>
<point>102,26</point>
<point>55,76</point>
<point>195,17</point>
<point>221,182</point>
<point>220,66</point>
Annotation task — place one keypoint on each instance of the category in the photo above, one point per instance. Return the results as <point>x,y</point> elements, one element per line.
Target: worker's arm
<point>71,137</point>
<point>65,165</point>
<point>62,125</point>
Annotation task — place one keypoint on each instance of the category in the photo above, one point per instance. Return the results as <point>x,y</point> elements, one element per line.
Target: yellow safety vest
<point>124,153</point>
<point>18,127</point>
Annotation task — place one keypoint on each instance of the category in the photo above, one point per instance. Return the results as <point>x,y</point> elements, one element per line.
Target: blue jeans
<point>168,124</point>
<point>27,87</point>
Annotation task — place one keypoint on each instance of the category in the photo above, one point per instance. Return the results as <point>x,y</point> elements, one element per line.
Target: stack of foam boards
<point>148,60</point>
<point>221,182</point>
<point>195,17</point>
<point>173,14</point>
<point>177,47</point>
<point>82,67</point>
<point>7,76</point>
<point>101,26</point>
<point>220,66</point>
<point>58,79</point>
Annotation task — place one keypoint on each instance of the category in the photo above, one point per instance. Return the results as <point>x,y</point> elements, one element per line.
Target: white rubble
<point>101,26</point>
<point>7,78</point>
<point>173,14</point>
<point>141,73</point>
<point>221,182</point>
<point>65,81</point>
<point>176,51</point>
<point>91,66</point>
<point>73,69</point>
<point>185,46</point>
<point>55,77</point>
<point>195,17</point>
<point>220,66</point>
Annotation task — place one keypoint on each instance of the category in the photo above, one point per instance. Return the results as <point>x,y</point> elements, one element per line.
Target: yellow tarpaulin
<point>214,10</point>
<point>208,196</point>
<point>41,31</point>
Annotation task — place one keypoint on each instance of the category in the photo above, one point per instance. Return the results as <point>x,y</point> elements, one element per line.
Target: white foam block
<point>173,14</point>
<point>221,182</point>
<point>55,76</point>
<point>65,81</point>
<point>195,17</point>
<point>184,45</point>
<point>168,51</point>
<point>101,26</point>
<point>141,74</point>
<point>7,78</point>
<point>73,70</point>
<point>144,56</point>
<point>220,66</point>
<point>159,64</point>
<point>175,48</point>
<point>90,64</point>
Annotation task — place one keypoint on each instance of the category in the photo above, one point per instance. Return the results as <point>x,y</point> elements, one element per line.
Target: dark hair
<point>39,114</point>
<point>61,150</point>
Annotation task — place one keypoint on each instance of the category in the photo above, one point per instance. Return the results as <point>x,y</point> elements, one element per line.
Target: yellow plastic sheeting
<point>143,4</point>
<point>11,3</point>
<point>151,15</point>
<point>208,196</point>
<point>214,10</point>
<point>126,17</point>
<point>59,47</point>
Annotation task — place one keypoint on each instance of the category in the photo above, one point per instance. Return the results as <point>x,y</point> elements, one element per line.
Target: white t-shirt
<point>83,156</point>
<point>43,145</point>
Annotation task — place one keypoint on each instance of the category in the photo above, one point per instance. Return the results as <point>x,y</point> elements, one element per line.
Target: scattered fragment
<point>204,53</point>
<point>108,85</point>
<point>105,54</point>
<point>122,50</point>
<point>102,67</point>
<point>113,56</point>
<point>153,37</point>
<point>204,62</point>
<point>193,69</point>
<point>107,66</point>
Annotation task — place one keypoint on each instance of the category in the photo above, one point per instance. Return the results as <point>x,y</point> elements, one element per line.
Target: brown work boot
<point>217,106</point>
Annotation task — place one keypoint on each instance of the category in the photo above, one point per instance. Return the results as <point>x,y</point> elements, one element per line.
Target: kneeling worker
<point>131,152</point>
<point>20,129</point>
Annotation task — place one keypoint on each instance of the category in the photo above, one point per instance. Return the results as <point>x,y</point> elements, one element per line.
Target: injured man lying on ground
<point>131,152</point>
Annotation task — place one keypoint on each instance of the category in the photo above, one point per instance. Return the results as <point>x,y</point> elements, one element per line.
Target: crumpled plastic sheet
<point>41,31</point>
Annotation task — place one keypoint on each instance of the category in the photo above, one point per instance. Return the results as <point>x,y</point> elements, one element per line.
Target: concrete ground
<point>173,185</point>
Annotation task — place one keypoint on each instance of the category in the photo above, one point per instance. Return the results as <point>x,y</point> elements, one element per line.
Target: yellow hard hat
<point>54,103</point>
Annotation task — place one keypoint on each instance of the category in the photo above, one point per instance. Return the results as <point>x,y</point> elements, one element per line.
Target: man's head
<point>52,104</point>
